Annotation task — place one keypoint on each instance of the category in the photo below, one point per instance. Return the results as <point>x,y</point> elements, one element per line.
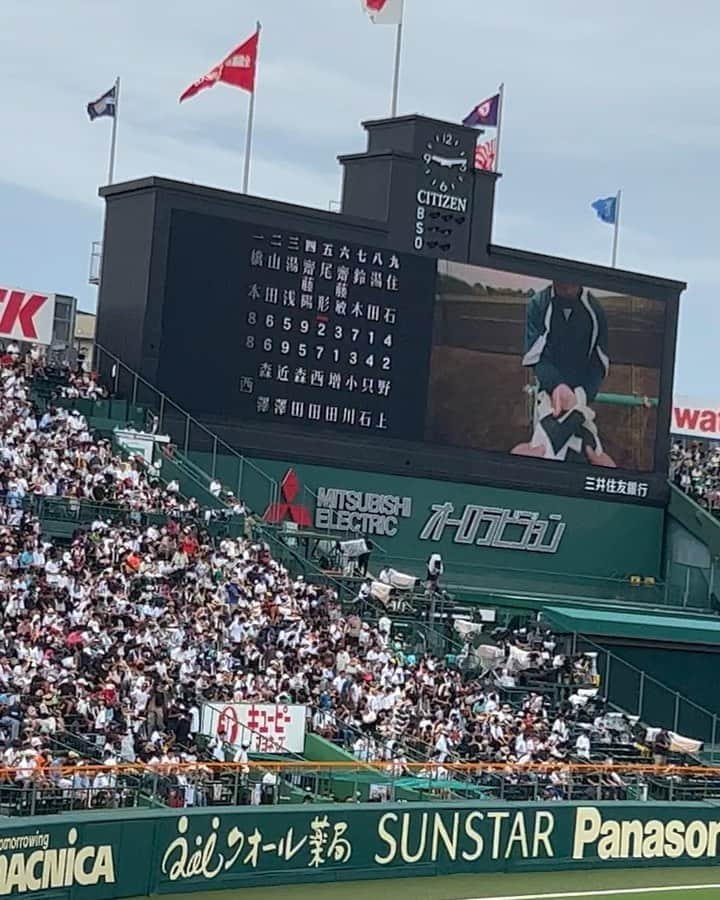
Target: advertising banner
<point>695,418</point>
<point>400,840</point>
<point>96,855</point>
<point>474,528</point>
<point>26,316</point>
<point>260,727</point>
<point>140,443</point>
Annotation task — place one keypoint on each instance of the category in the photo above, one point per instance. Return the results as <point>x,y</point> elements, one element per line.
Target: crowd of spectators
<point>389,704</point>
<point>695,469</point>
<point>123,633</point>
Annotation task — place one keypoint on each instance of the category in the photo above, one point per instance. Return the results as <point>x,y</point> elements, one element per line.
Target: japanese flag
<point>384,12</point>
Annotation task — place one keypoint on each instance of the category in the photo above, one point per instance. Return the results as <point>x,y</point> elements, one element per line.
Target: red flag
<point>384,12</point>
<point>238,69</point>
<point>485,155</point>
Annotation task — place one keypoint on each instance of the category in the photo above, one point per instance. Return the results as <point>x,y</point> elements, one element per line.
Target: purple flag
<point>485,113</point>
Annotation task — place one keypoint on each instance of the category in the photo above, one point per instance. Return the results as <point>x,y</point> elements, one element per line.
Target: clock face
<point>446,162</point>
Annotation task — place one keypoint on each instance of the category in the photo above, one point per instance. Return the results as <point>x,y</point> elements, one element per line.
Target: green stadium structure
<point>124,854</point>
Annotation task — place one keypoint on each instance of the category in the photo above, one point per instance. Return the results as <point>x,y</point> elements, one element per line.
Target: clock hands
<point>444,161</point>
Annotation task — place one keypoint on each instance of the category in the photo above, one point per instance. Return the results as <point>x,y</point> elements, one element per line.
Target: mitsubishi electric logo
<point>367,513</point>
<point>361,512</point>
<point>357,512</point>
<point>287,509</point>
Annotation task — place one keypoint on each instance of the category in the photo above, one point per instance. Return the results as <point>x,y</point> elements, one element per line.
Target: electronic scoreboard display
<point>294,333</point>
<point>308,331</point>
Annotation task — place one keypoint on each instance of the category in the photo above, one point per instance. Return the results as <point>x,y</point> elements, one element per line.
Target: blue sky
<point>615,95</point>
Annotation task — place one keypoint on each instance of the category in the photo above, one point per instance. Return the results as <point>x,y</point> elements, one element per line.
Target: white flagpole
<point>398,55</point>
<point>251,120</point>
<point>501,104</point>
<point>113,135</point>
<point>616,230</point>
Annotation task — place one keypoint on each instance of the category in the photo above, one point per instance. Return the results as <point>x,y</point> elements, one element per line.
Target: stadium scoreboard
<point>336,334</point>
<point>393,336</point>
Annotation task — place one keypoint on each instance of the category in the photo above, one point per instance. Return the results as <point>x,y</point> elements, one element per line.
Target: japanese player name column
<point>335,335</point>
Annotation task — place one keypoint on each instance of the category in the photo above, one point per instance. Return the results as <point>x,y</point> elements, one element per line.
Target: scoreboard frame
<point>137,288</point>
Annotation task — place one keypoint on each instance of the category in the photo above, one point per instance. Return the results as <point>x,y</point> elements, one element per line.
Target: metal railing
<point>655,703</point>
<point>526,583</point>
<point>299,564</point>
<point>83,512</point>
<point>238,789</point>
<point>184,429</point>
<point>58,790</point>
<point>189,434</point>
<point>346,734</point>
<point>691,587</point>
<point>616,588</point>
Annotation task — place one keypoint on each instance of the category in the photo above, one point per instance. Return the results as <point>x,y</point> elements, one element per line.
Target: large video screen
<point>548,370</point>
<point>477,372</point>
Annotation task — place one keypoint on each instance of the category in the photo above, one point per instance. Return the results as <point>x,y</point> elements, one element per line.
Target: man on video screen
<point>566,344</point>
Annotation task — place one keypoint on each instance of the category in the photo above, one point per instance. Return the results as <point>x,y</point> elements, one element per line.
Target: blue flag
<point>606,209</point>
<point>104,106</point>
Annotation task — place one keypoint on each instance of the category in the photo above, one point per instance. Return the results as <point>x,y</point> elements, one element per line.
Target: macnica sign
<point>28,862</point>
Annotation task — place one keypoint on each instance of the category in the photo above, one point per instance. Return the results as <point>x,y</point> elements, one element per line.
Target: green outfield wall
<point>130,854</point>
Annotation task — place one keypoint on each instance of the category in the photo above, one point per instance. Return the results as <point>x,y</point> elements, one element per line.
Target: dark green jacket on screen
<point>566,342</point>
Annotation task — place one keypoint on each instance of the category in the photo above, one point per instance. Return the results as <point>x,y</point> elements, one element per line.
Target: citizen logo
<point>442,201</point>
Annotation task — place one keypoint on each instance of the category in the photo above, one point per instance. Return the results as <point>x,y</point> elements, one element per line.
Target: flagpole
<point>616,230</point>
<point>251,120</point>
<point>398,54</point>
<point>501,104</point>
<point>113,135</point>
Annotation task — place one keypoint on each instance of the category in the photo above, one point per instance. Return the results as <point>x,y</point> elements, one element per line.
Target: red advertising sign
<point>696,418</point>
<point>26,316</point>
<point>262,727</point>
